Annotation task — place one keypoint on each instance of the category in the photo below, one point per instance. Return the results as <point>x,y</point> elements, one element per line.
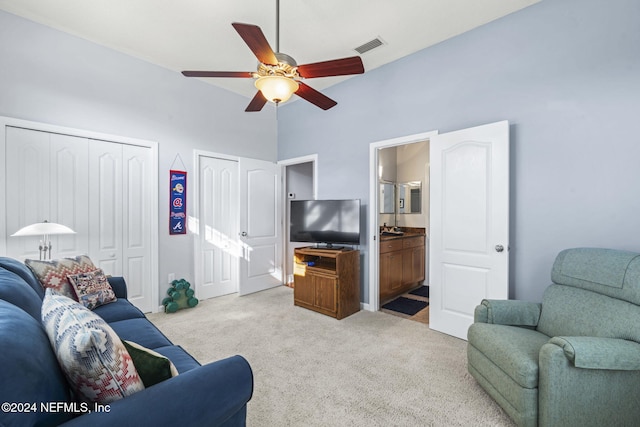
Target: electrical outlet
<point>171,277</point>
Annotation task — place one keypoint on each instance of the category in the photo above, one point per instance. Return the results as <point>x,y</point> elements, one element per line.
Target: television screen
<point>325,221</point>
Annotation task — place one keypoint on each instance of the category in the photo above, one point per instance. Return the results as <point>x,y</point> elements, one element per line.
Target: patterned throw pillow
<point>93,358</point>
<point>53,273</point>
<point>92,288</point>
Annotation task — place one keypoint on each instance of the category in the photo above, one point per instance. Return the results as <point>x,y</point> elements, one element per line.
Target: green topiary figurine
<point>180,296</point>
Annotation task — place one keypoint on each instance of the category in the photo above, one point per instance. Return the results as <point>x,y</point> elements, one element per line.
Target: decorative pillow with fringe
<point>93,358</point>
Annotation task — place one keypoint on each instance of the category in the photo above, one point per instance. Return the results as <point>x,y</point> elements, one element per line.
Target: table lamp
<point>45,229</point>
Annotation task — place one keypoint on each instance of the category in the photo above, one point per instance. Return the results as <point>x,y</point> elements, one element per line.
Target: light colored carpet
<point>370,369</point>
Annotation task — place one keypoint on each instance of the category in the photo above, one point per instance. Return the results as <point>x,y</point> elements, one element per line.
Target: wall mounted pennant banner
<point>177,202</point>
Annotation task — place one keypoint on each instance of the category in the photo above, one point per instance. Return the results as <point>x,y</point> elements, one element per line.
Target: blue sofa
<point>574,358</point>
<point>34,391</point>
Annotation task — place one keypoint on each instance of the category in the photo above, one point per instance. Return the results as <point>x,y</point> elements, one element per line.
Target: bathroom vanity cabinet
<point>402,264</point>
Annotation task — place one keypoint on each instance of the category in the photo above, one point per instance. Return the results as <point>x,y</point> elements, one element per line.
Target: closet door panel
<point>105,206</point>
<point>27,190</point>
<point>137,226</point>
<point>69,188</point>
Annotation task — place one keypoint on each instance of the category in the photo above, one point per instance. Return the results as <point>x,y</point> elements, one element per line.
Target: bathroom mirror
<point>409,197</point>
<point>387,197</point>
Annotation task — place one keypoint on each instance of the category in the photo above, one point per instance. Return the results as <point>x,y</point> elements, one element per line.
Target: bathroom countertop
<point>407,232</point>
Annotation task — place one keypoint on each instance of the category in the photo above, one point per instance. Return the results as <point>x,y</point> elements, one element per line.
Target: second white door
<point>261,226</point>
<point>469,252</point>
<point>217,270</point>
<point>239,226</point>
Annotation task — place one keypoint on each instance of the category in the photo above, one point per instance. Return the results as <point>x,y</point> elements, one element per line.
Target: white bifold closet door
<point>119,206</point>
<point>47,179</point>
<point>101,189</point>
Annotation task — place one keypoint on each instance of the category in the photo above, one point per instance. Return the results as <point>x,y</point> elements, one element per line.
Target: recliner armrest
<point>208,395</point>
<point>600,353</point>
<point>508,312</point>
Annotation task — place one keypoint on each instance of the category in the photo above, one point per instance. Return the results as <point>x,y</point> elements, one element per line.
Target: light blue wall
<point>565,73</point>
<point>51,77</point>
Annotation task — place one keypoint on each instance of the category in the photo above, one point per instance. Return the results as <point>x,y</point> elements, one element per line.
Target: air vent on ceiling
<point>369,45</point>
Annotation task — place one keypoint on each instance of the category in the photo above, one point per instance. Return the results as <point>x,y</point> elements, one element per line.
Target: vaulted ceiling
<point>197,34</point>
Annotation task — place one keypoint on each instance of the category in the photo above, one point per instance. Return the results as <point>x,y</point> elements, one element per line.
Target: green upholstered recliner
<point>574,359</point>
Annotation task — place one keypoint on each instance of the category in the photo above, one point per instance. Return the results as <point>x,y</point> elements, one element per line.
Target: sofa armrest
<point>119,286</point>
<point>600,353</point>
<point>508,312</point>
<point>208,395</point>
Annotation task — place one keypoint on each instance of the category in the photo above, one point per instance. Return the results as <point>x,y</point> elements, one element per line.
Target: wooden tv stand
<point>327,280</point>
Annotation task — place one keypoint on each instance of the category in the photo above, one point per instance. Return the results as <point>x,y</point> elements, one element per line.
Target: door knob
<point>243,234</point>
<point>499,248</point>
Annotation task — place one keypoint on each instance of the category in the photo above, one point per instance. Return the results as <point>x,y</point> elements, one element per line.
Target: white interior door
<point>121,204</point>
<point>105,206</point>
<point>70,192</point>
<point>28,193</point>
<point>218,249</point>
<point>260,226</point>
<point>469,224</point>
<point>47,175</point>
<point>137,226</point>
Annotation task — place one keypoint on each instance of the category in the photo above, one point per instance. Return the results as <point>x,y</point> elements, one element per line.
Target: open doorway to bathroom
<point>399,233</point>
<point>403,219</point>
<point>468,224</point>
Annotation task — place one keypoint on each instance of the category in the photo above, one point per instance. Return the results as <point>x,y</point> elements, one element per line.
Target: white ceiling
<point>197,34</point>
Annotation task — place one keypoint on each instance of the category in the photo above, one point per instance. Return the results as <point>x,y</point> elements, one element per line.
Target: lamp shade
<point>43,228</point>
<point>277,88</point>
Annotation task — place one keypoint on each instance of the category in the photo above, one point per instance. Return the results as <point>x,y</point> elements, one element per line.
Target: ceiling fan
<point>278,75</point>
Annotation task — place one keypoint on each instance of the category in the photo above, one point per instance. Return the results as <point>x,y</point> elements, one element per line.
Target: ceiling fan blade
<point>244,74</point>
<point>315,97</point>
<point>256,103</point>
<point>257,42</point>
<point>336,67</point>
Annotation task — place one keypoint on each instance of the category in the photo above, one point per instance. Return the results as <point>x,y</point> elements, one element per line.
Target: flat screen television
<point>326,222</point>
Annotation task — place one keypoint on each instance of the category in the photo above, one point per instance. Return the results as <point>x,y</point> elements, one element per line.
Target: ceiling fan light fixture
<point>277,88</point>
<point>278,75</point>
